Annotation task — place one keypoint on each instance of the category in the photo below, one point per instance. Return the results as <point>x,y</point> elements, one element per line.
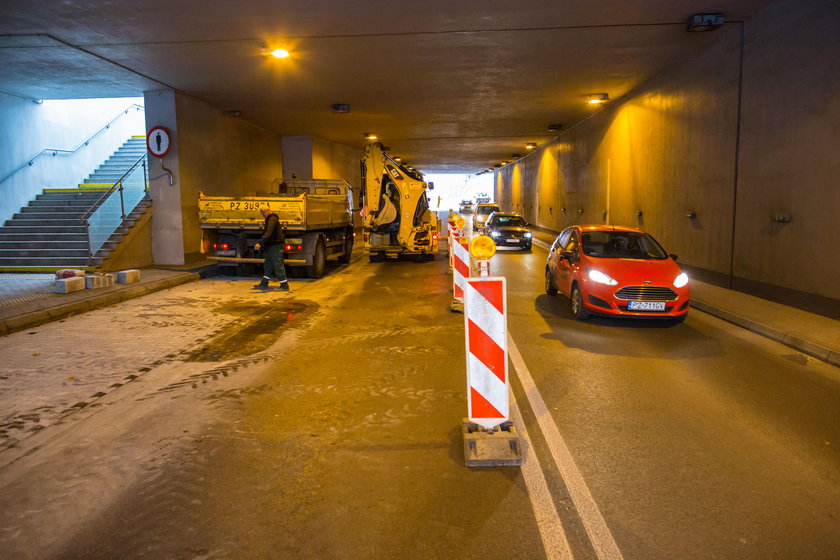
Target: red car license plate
<point>646,306</point>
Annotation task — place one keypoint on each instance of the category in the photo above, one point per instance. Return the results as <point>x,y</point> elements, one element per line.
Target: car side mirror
<point>672,255</point>
<point>567,255</point>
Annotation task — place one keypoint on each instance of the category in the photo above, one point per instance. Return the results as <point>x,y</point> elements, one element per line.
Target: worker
<point>272,243</point>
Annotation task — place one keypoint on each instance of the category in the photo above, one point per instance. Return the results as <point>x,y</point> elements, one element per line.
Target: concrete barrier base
<point>491,448</point>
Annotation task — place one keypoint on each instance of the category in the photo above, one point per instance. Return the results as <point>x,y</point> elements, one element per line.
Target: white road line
<point>541,243</point>
<point>596,527</point>
<point>553,535</point>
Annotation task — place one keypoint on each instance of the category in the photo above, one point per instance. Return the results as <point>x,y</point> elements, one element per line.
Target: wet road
<point>326,424</point>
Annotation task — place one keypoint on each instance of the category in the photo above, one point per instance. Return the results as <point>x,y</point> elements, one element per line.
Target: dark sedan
<point>509,230</point>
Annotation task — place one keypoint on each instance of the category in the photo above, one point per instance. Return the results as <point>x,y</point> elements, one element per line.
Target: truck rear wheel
<point>348,248</point>
<point>319,260</point>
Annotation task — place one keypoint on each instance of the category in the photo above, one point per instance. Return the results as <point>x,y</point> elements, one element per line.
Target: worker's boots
<point>263,283</point>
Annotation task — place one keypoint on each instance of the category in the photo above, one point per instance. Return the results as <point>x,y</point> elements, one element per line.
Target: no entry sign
<point>157,141</point>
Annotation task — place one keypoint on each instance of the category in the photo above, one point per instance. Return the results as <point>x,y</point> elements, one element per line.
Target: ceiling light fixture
<point>277,53</point>
<point>704,22</point>
<point>516,156</point>
<point>530,145</point>
<point>370,136</point>
<point>596,98</point>
<point>397,159</point>
<point>340,108</point>
<point>555,127</point>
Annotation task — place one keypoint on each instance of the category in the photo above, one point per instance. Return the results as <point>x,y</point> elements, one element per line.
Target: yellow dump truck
<point>317,215</point>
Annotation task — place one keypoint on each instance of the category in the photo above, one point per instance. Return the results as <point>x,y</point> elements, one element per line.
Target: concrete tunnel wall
<point>683,143</point>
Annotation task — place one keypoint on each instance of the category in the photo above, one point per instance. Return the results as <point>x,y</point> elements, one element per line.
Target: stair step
<point>44,229</point>
<point>62,235</point>
<point>61,262</point>
<point>36,222</point>
<point>49,202</point>
<point>63,210</point>
<point>43,253</point>
<point>56,244</point>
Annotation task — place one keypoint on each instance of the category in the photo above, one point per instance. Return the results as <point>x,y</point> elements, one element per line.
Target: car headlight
<point>681,280</point>
<point>601,278</point>
<point>494,234</point>
<point>527,234</point>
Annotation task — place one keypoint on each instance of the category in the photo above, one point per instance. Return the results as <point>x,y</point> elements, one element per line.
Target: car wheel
<point>549,284</point>
<point>578,310</point>
<point>527,247</point>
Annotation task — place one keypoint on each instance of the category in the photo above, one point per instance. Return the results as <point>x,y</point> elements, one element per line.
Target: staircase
<point>115,166</point>
<point>48,233</point>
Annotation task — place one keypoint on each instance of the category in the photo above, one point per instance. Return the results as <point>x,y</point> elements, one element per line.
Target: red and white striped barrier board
<point>460,267</point>
<point>487,355</point>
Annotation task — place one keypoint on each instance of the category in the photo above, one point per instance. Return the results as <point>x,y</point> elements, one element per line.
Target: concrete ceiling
<point>451,86</point>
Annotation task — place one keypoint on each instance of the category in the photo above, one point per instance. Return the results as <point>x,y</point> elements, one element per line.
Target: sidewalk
<point>28,300</point>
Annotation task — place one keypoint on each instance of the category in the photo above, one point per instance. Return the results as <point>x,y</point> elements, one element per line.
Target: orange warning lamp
<point>482,247</point>
<point>460,222</point>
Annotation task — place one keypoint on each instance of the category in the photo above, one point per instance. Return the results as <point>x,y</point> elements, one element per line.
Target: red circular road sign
<point>158,141</point>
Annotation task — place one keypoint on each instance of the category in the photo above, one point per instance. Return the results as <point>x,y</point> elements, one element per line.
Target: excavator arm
<point>395,203</point>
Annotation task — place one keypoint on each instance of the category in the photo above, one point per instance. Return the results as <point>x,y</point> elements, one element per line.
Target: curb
<point>805,346</point>
<point>62,311</point>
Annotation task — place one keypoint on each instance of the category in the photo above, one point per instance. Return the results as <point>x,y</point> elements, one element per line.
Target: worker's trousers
<point>273,264</point>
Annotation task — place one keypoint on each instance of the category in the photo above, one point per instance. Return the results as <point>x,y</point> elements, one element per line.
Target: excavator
<point>396,217</point>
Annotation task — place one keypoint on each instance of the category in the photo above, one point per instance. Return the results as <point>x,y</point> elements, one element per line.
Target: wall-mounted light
<point>691,215</point>
<point>530,145</point>
<point>340,108</point>
<point>580,210</point>
<point>595,98</point>
<point>233,113</point>
<point>397,159</point>
<point>555,127</point>
<point>704,22</point>
<point>497,165</point>
<point>639,214</point>
<point>516,156</point>
<point>782,218</point>
<point>370,136</point>
<point>276,53</point>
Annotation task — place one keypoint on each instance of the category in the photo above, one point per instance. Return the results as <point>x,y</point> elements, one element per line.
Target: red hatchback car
<point>616,271</point>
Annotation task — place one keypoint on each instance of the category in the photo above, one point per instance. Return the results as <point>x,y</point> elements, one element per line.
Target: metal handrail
<point>118,185</point>
<point>55,151</point>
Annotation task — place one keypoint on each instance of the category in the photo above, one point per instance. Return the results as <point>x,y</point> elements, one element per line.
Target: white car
<point>482,212</point>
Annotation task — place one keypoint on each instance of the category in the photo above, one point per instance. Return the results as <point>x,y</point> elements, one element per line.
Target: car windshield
<point>621,245</point>
<point>487,209</point>
<point>508,221</point>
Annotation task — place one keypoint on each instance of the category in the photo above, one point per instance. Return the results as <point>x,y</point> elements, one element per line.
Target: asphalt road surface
<point>212,421</point>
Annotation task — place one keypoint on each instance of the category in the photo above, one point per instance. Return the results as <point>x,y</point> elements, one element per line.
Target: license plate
<point>646,306</point>
<point>226,253</point>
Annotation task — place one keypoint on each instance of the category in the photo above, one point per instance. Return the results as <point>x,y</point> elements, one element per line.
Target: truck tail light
<point>225,246</point>
<point>215,246</point>
<point>294,247</point>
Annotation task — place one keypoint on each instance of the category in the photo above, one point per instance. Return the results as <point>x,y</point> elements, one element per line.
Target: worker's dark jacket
<point>273,233</point>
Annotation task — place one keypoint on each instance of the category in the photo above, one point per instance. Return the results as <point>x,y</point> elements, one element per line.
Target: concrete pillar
<point>165,186</point>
